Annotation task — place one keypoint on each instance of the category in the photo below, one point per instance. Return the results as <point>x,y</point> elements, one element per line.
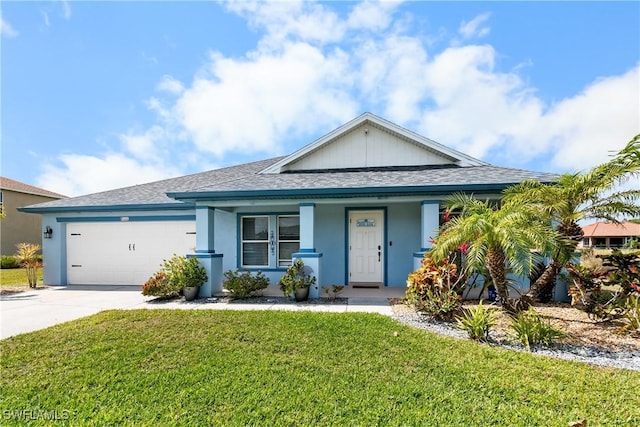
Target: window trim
<point>243,241</point>
<point>280,260</point>
<point>273,225</point>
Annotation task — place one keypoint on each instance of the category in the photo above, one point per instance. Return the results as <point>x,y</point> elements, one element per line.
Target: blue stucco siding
<point>330,241</point>
<point>404,236</point>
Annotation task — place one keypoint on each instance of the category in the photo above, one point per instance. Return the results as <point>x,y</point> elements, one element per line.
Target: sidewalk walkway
<point>38,309</point>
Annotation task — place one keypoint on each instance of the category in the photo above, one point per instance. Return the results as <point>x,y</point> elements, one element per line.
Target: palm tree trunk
<point>546,280</point>
<point>496,265</point>
<point>573,233</point>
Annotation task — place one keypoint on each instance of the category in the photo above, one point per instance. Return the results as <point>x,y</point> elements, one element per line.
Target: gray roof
<point>153,193</point>
<point>246,181</point>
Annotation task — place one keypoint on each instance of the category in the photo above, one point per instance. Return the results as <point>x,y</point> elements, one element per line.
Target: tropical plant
<point>497,237</point>
<point>184,272</point>
<point>174,274</point>
<point>435,288</point>
<point>631,314</point>
<point>159,285</point>
<point>27,257</point>
<point>477,321</point>
<point>529,328</point>
<point>243,284</point>
<point>296,277</point>
<point>579,196</point>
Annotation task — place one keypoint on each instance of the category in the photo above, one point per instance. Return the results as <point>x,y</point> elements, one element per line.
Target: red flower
<point>464,248</point>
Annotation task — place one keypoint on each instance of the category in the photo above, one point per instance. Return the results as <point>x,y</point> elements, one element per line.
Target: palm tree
<point>579,196</point>
<point>495,237</point>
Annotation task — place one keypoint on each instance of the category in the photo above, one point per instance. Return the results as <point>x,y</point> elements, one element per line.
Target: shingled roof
<point>246,181</point>
<point>21,187</point>
<point>372,170</point>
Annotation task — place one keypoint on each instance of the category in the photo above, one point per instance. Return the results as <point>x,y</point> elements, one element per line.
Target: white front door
<point>366,248</point>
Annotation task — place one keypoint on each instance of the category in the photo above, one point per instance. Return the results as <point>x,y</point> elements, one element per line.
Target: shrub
<point>619,273</point>
<point>530,329</point>
<point>9,261</point>
<point>477,321</point>
<point>30,260</point>
<point>631,314</point>
<point>434,289</point>
<point>244,284</point>
<point>296,277</point>
<point>175,273</point>
<point>159,285</point>
<point>333,291</point>
<point>183,271</point>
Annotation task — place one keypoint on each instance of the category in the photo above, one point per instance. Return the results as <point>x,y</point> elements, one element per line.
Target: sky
<point>102,95</point>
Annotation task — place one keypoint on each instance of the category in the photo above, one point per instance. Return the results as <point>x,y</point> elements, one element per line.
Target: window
<point>288,239</point>
<point>255,241</point>
<point>269,240</point>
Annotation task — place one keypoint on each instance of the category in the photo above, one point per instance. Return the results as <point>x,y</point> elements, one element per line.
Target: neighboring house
<point>17,227</point>
<point>608,235</point>
<point>359,206</point>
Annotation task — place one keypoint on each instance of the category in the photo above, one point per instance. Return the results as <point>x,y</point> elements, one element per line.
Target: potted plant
<point>297,280</point>
<point>186,273</point>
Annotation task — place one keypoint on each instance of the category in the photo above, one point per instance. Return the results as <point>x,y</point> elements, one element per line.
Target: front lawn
<point>202,367</point>
<point>16,277</point>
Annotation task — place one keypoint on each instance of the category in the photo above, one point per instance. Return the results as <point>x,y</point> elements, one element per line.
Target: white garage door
<point>124,253</point>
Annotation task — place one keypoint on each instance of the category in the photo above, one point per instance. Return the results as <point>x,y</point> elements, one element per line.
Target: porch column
<point>307,252</point>
<point>205,252</point>
<point>429,224</point>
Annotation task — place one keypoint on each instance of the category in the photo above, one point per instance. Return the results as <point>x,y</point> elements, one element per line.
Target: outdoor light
<point>272,243</point>
<point>48,232</point>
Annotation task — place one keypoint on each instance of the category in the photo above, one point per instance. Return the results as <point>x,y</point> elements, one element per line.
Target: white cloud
<point>6,29</point>
<point>66,10</point>
<point>79,174</point>
<point>475,27</point>
<point>170,85</point>
<point>313,70</point>
<point>239,105</point>
<point>587,128</point>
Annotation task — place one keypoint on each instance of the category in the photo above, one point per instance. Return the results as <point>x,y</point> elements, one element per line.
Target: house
<point>18,227</point>
<point>359,206</point>
<point>608,235</point>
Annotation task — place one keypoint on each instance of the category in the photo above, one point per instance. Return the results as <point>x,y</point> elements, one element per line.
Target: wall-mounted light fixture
<point>272,243</point>
<point>48,232</point>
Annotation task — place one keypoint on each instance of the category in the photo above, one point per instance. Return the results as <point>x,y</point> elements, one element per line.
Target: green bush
<point>243,284</point>
<point>9,261</point>
<point>434,289</point>
<point>296,277</point>
<point>477,322</point>
<point>529,328</point>
<point>175,273</point>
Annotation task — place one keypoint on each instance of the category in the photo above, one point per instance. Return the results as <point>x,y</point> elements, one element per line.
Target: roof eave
<point>322,193</point>
<point>106,208</point>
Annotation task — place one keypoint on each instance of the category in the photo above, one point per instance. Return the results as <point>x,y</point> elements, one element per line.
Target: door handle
<point>129,246</point>
<point>379,256</point>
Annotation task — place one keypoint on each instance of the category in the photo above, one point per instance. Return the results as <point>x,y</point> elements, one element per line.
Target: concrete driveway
<point>38,309</point>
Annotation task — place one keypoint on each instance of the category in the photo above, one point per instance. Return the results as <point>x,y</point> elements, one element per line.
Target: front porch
<point>380,293</point>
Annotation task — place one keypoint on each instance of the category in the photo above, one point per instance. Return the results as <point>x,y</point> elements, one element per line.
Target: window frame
<point>273,231</point>
<point>285,262</point>
<point>243,241</point>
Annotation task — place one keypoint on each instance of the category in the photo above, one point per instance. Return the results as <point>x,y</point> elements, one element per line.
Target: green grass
<point>16,277</point>
<point>202,367</point>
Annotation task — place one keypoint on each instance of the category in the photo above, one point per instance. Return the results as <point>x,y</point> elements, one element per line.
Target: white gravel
<point>593,355</point>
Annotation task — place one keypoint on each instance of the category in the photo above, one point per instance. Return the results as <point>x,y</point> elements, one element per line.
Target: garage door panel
<point>124,253</point>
